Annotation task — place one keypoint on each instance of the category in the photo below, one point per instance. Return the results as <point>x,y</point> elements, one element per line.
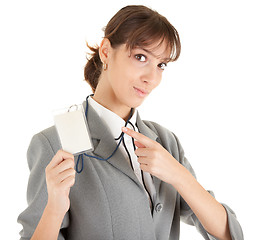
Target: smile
<point>140,92</point>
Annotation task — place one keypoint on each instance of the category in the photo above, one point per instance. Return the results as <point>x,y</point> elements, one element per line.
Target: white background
<point>212,98</point>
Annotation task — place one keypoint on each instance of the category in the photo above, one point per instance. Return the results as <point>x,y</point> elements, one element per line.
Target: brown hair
<point>135,26</point>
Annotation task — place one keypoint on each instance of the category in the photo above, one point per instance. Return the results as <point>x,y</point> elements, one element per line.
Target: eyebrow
<point>162,59</point>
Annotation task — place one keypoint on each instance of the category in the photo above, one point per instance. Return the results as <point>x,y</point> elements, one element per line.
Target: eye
<point>162,66</point>
<point>140,57</point>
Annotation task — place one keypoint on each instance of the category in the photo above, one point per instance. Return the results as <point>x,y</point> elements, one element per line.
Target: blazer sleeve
<point>39,154</point>
<point>187,215</point>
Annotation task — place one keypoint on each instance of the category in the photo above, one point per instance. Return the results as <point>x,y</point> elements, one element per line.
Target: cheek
<point>159,80</point>
<point>121,82</point>
<point>125,75</point>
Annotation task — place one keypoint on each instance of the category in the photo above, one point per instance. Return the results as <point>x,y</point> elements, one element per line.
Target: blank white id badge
<point>73,130</point>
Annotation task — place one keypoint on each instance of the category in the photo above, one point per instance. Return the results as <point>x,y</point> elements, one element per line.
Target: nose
<point>151,75</point>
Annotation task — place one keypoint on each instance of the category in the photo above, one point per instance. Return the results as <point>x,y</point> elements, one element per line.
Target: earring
<point>105,66</point>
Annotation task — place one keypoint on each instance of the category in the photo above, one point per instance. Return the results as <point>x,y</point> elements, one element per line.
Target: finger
<point>145,168</point>
<point>147,142</point>
<point>143,152</point>
<point>143,160</point>
<point>139,145</point>
<point>65,174</point>
<point>65,164</point>
<point>61,171</point>
<point>68,182</point>
<point>59,157</point>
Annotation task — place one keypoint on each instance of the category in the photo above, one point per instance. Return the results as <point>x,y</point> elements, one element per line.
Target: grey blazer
<point>107,200</point>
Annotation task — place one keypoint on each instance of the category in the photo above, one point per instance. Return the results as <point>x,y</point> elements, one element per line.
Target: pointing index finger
<point>138,136</point>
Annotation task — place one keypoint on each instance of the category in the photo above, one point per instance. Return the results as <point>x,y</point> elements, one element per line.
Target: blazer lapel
<point>104,144</point>
<point>145,130</point>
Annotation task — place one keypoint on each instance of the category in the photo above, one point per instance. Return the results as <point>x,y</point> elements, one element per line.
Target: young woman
<point>147,185</point>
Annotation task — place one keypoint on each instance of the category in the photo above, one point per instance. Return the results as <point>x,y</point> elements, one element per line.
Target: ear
<point>104,50</point>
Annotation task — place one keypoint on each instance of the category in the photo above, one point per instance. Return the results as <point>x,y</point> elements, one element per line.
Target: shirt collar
<point>112,120</point>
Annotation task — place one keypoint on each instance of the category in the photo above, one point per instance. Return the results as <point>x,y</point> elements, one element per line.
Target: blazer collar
<point>104,144</point>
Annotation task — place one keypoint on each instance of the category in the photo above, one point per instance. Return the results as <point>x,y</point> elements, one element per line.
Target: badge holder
<point>73,131</point>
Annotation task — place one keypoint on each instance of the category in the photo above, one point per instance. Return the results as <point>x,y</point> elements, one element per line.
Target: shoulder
<point>51,135</point>
<point>47,137</point>
<point>43,146</point>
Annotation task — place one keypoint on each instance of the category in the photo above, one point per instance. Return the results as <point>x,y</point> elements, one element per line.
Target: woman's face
<point>132,75</point>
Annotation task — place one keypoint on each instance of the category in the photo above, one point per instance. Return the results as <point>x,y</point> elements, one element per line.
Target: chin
<point>135,104</point>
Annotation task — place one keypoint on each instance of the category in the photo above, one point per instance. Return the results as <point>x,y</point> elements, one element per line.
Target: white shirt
<point>115,123</point>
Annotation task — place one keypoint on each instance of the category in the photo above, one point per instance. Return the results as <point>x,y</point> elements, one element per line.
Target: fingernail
<point>124,129</point>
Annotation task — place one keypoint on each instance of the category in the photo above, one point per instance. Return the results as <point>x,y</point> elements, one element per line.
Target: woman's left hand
<point>153,158</point>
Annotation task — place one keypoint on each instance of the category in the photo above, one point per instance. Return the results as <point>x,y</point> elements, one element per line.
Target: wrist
<point>180,177</point>
<point>53,212</point>
<point>49,225</point>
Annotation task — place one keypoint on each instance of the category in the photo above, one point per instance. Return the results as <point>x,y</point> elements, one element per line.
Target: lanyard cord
<point>81,157</point>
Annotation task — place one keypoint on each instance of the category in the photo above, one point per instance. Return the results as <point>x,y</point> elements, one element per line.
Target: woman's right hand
<point>60,177</point>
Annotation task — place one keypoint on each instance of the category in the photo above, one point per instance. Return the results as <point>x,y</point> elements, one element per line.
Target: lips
<point>141,92</point>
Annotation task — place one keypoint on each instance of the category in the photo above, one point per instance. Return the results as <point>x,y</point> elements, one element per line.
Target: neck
<point>121,110</point>
<point>105,95</point>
